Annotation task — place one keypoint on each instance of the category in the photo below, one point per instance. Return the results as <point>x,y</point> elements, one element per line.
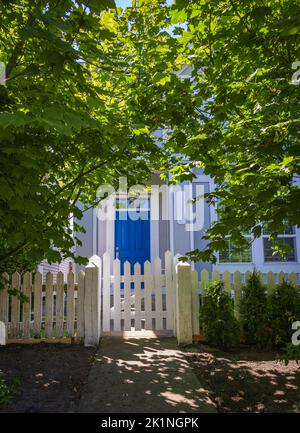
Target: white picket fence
<point>53,310</point>
<point>135,300</point>
<point>104,301</point>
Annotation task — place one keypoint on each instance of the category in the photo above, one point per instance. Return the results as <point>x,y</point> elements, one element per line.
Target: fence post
<point>174,281</point>
<point>2,334</point>
<point>184,330</point>
<point>92,302</point>
<point>195,303</point>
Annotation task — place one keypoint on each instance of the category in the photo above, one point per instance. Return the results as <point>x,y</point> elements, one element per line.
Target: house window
<point>288,237</point>
<point>236,254</point>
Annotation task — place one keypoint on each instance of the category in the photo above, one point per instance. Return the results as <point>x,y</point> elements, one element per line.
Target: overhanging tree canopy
<point>87,84</point>
<point>243,54</point>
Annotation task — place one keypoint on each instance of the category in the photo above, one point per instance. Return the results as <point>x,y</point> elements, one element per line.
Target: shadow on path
<point>142,376</point>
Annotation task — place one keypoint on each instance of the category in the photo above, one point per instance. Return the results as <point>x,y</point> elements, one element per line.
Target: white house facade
<point>165,220</point>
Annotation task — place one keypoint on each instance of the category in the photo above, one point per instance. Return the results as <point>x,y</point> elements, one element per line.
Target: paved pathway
<point>142,375</point>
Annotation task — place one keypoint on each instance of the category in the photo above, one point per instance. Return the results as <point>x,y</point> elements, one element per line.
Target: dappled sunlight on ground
<point>247,381</point>
<point>142,375</point>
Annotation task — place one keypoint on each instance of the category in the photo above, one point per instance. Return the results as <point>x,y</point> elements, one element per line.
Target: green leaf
<point>108,21</point>
<point>13,119</point>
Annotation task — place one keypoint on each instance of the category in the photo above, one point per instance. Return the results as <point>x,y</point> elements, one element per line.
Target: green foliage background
<point>88,84</point>
<point>247,131</point>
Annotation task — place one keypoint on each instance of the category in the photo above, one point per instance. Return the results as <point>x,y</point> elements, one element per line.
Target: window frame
<point>240,262</point>
<point>265,235</point>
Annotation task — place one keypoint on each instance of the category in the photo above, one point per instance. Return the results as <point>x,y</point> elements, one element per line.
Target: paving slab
<point>142,375</point>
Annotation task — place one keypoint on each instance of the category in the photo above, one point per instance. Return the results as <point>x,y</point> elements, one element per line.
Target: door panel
<point>132,238</point>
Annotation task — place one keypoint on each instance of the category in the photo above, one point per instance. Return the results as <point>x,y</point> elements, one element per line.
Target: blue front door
<point>132,238</point>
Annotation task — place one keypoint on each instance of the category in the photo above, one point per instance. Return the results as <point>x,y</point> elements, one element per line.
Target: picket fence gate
<point>138,300</point>
<point>102,301</point>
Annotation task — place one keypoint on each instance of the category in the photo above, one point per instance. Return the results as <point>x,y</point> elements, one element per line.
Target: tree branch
<point>80,176</point>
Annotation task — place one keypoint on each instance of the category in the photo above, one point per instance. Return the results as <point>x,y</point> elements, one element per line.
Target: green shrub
<point>7,392</point>
<point>290,353</point>
<point>217,318</point>
<point>284,309</point>
<point>254,312</point>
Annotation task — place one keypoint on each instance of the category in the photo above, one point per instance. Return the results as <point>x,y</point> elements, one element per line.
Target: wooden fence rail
<point>155,296</point>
